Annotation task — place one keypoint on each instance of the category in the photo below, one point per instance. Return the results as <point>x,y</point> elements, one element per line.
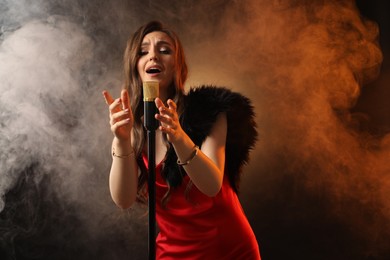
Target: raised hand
<point>169,120</point>
<point>121,116</point>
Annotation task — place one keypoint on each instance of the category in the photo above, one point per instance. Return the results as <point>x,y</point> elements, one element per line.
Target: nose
<point>153,56</point>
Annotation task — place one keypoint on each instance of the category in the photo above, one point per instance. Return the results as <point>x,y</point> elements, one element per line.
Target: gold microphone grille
<point>150,90</point>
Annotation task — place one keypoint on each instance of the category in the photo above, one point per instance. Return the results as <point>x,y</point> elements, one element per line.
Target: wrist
<point>190,158</point>
<point>181,139</point>
<point>185,148</point>
<point>122,147</point>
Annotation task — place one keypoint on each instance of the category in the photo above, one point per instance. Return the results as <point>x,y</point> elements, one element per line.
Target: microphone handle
<point>150,110</point>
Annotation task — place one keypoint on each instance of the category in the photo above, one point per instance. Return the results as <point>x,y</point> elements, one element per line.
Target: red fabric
<point>201,227</point>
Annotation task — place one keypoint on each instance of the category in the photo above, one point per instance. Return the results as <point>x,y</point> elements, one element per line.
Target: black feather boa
<point>201,107</point>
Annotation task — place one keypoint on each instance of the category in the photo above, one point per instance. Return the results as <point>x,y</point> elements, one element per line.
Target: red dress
<point>200,227</point>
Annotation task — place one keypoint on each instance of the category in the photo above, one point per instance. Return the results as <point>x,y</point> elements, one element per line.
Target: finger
<point>166,130</point>
<point>120,114</point>
<point>172,109</point>
<point>162,108</point>
<point>118,124</point>
<point>159,103</point>
<point>115,105</point>
<point>164,119</point>
<point>107,97</point>
<point>165,111</point>
<point>125,99</point>
<point>171,104</point>
<point>163,129</point>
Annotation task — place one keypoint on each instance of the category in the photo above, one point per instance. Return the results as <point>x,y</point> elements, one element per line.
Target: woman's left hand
<point>169,120</point>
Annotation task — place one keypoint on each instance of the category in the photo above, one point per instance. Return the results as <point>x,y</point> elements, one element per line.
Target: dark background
<point>58,205</point>
<point>374,96</point>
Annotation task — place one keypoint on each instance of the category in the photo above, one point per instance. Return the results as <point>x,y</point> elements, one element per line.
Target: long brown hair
<point>133,82</point>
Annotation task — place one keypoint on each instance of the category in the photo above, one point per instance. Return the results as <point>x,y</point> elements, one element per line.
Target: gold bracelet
<point>122,156</point>
<point>193,154</point>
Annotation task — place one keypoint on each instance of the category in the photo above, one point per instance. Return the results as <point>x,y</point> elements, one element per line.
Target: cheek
<point>140,68</point>
<point>171,68</point>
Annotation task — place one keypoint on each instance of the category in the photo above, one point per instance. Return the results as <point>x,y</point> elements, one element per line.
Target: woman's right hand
<point>121,116</point>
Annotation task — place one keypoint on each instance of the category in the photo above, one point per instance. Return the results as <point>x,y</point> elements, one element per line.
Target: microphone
<point>150,89</point>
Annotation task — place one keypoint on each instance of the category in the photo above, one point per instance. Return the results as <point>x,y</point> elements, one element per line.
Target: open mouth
<point>153,70</point>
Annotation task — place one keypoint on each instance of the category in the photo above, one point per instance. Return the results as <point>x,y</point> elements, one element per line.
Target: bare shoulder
<point>218,132</point>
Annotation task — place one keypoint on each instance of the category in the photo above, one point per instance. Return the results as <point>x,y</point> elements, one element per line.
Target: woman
<point>202,142</point>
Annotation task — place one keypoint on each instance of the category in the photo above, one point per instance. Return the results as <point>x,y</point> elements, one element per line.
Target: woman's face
<point>157,60</point>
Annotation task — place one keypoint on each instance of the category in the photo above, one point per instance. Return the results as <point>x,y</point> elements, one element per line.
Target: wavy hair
<point>133,84</point>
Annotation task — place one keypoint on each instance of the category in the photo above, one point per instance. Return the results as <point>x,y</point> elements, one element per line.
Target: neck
<point>163,95</point>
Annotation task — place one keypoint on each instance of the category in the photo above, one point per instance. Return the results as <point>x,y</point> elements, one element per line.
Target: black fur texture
<point>202,105</point>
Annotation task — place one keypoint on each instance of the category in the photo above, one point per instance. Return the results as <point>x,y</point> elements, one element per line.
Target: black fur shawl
<point>201,107</point>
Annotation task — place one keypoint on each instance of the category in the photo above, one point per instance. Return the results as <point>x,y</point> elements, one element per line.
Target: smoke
<point>315,174</point>
<point>37,77</point>
<point>54,147</point>
<point>308,63</point>
<point>318,175</point>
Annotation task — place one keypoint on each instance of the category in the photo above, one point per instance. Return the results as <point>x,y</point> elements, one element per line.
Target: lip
<point>154,66</point>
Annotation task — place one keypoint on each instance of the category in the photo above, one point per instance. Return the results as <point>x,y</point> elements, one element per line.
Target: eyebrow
<point>161,42</point>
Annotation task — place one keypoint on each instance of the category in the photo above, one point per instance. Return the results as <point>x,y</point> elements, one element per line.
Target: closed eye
<point>165,51</point>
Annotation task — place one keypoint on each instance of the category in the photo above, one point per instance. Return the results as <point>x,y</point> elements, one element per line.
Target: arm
<point>207,168</point>
<point>123,178</point>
